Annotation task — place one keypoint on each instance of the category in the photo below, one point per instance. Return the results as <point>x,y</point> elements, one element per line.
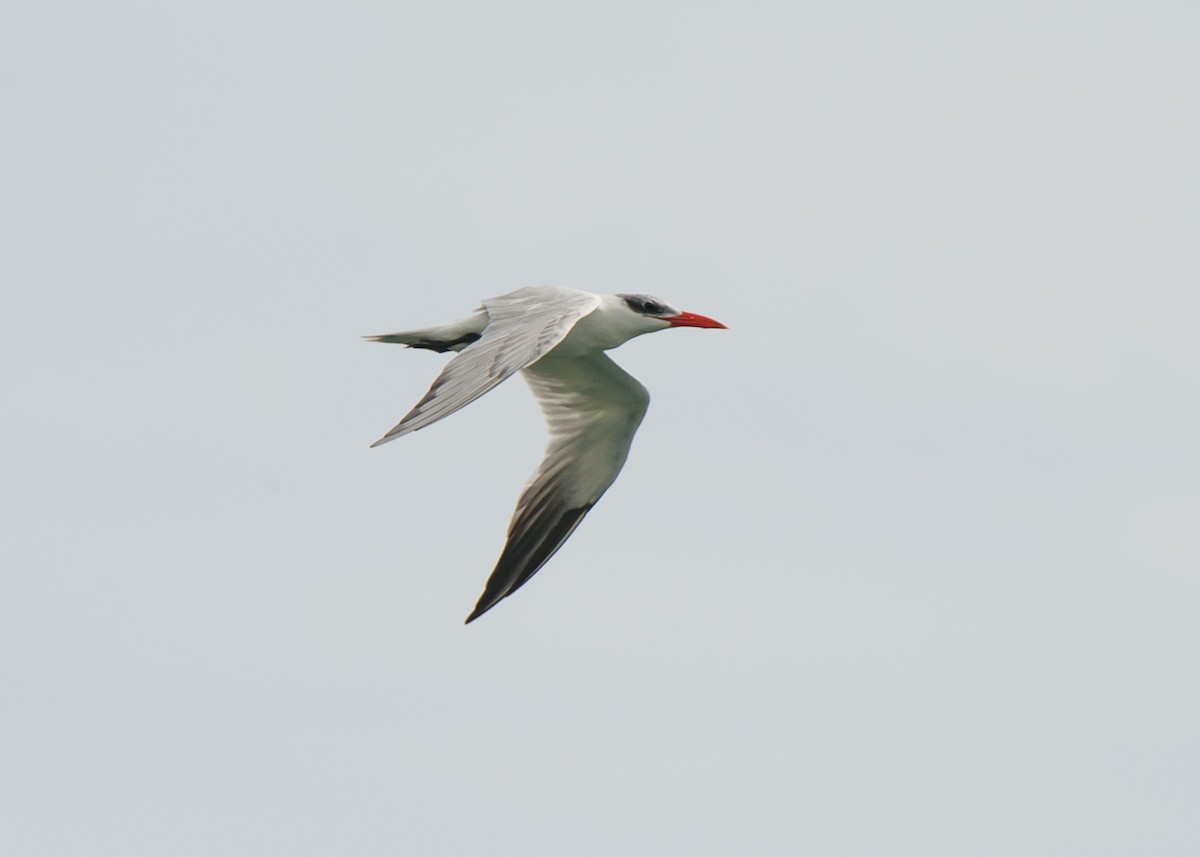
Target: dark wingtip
<point>525,552</point>
<point>485,603</point>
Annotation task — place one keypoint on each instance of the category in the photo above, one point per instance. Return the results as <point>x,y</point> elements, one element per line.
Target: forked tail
<point>454,336</point>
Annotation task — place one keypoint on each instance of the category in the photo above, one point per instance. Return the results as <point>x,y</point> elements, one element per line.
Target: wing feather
<point>522,327</point>
<point>593,408</point>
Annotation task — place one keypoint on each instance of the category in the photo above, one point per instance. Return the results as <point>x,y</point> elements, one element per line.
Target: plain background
<point>903,563</point>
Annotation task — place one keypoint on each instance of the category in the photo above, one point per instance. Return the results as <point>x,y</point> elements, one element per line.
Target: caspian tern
<point>556,338</point>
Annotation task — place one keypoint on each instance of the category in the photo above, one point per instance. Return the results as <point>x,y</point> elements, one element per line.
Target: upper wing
<point>522,327</point>
<point>592,407</point>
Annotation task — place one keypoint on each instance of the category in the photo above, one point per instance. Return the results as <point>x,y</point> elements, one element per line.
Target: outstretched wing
<point>593,408</point>
<point>522,327</point>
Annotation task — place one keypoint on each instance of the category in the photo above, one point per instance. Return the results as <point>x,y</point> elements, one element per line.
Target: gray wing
<point>522,326</point>
<point>593,408</point>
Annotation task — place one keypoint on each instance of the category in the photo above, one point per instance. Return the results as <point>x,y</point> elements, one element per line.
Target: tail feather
<point>414,340</point>
<point>447,337</point>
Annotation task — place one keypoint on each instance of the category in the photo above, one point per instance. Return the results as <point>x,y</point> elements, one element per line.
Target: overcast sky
<point>906,562</point>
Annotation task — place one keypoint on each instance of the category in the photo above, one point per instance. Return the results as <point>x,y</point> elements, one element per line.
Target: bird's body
<point>556,338</point>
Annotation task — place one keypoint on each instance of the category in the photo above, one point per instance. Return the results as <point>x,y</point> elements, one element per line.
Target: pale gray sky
<point>907,562</point>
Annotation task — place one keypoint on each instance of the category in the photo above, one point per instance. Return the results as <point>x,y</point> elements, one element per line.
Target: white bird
<point>556,338</point>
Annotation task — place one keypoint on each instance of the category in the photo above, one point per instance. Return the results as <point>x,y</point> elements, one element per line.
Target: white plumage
<point>556,338</point>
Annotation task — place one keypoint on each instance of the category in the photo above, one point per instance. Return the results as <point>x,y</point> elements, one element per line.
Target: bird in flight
<point>556,338</point>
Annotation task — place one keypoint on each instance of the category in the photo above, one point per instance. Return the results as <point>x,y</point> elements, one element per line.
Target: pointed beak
<point>691,319</point>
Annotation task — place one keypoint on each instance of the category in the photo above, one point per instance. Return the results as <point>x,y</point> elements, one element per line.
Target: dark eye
<point>645,306</point>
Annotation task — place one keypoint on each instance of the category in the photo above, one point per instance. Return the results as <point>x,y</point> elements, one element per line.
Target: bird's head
<point>655,310</point>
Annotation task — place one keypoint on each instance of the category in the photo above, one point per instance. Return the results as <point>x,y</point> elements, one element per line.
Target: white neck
<point>609,325</point>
